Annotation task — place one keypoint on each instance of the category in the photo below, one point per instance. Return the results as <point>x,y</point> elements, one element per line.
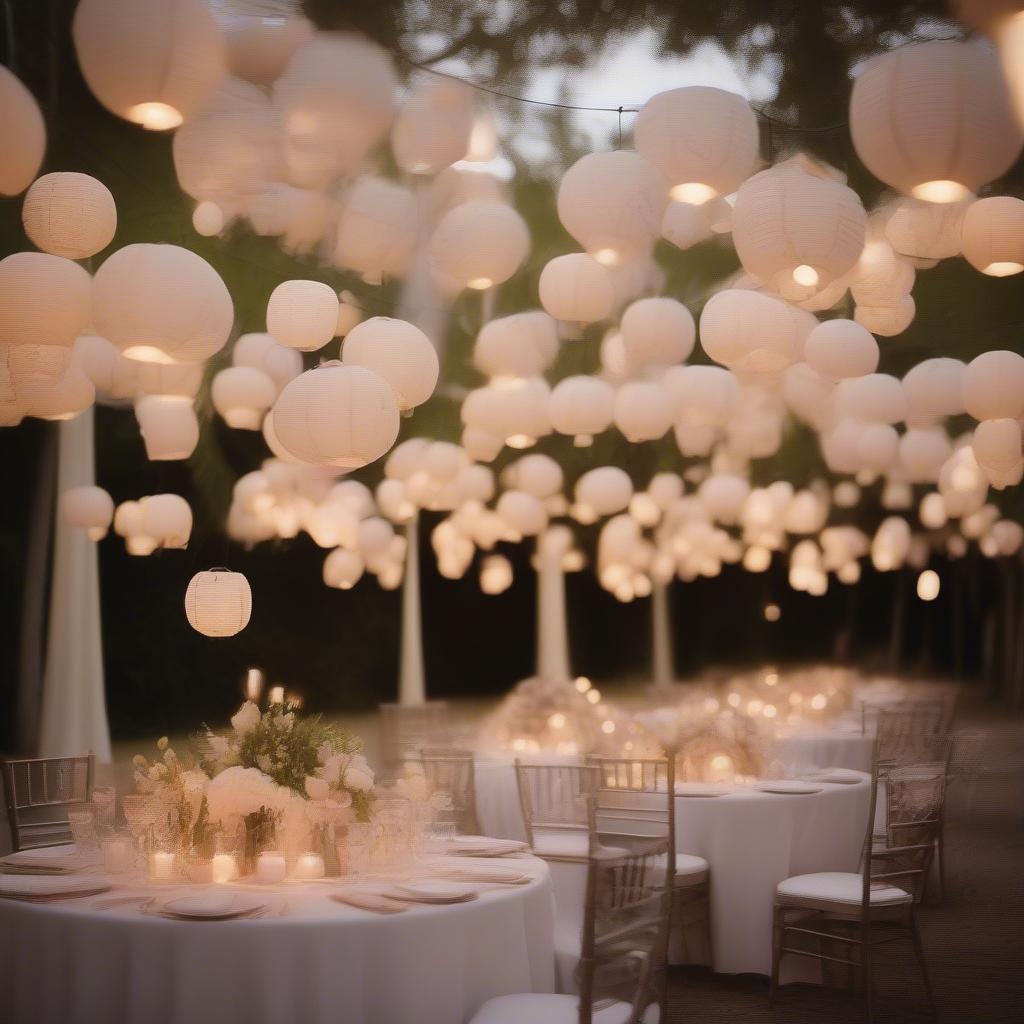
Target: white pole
<point>412,687</point>
<point>552,630</point>
<point>661,636</point>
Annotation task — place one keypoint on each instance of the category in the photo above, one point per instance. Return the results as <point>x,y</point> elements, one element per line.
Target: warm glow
<point>253,684</point>
<point>276,695</point>
<point>148,354</point>
<point>607,257</point>
<point>696,193</point>
<point>608,726</point>
<point>772,613</point>
<point>805,275</point>
<point>796,698</point>
<point>520,441</point>
<point>940,191</point>
<point>582,684</point>
<point>155,117</point>
<point>480,283</point>
<point>928,585</point>
<point>594,696</point>
<point>771,678</point>
<point>818,701</point>
<point>557,720</point>
<point>710,705</point>
<point>734,700</point>
<point>1007,269</point>
<point>720,768</point>
<point>770,711</point>
<point>754,706</point>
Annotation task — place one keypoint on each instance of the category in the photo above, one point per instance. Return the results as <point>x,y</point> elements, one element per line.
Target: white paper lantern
<point>882,276</point>
<point>300,216</point>
<point>993,386</point>
<point>997,449</point>
<point>44,300</point>
<point>480,445</point>
<point>538,475</point>
<point>643,411</point>
<point>349,313</point>
<point>88,508</point>
<point>797,229</point>
<point>260,42</point>
<point>183,380</point>
<point>374,536</point>
<point>878,447</point>
<point>376,228</point>
<point>242,395</point>
<point>302,314</point>
<point>934,119</point>
<point>744,330</point>
<point>612,204</point>
<point>1007,537</point>
<point>495,574</point>
<point>405,458</point>
<point>932,511</point>
<point>841,348</point>
<point>685,225</point>
<point>24,135</point>
<point>514,410</point>
<point>576,289</point>
<point>887,320</point>
<point>993,236</point>
<point>934,389</point>
<point>657,332</point>
<point>218,602</point>
<point>891,544</point>
<point>581,406</point>
<point>703,395</point>
<point>153,63</point>
<point>208,219</point>
<point>605,490</point>
<point>926,230</point>
<point>723,496</point>
<point>522,513</point>
<point>161,304</point>
<point>704,141</point>
<point>168,426</point>
<point>399,352</point>
<point>69,214</point>
<point>48,383</point>
<point>336,415</point>
<point>343,569</point>
<point>928,585</point>
<point>480,244</point>
<point>261,352</point>
<point>167,519</point>
<point>433,127</point>
<point>520,345</point>
<point>923,450</point>
<point>873,398</point>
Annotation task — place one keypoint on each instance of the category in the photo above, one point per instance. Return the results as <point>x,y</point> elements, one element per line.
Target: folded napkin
<point>36,862</point>
<point>51,887</point>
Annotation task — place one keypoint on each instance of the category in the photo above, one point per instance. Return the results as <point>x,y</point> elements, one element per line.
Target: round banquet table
<point>322,961</point>
<point>841,745</point>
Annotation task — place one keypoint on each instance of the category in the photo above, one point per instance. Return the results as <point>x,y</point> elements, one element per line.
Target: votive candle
<point>163,864</point>
<point>309,865</point>
<point>270,867</point>
<point>225,867</point>
<point>117,855</point>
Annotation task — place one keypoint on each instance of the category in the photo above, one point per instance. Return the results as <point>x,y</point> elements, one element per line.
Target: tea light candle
<point>276,695</point>
<point>117,856</point>
<point>270,867</point>
<point>225,867</point>
<point>162,865</point>
<point>309,865</point>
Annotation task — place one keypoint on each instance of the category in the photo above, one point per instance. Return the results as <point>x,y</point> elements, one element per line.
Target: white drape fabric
<point>412,686</point>
<point>74,707</point>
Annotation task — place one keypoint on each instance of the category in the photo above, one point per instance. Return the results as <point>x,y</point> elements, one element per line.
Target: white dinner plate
<point>484,846</point>
<point>430,891</point>
<point>43,887</point>
<point>786,788</point>
<point>212,905</point>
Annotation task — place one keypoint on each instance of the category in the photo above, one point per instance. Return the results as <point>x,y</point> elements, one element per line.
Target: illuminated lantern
<point>642,411</point>
<point>376,228</point>
<point>88,508</point>
<point>747,331</point>
<point>993,236</point>
<point>343,569</point>
<point>24,135</point>
<point>934,119</point>
<point>604,491</point>
<point>928,585</point>
<point>993,386</point>
<point>522,513</point>
<point>873,398</point>
<point>433,127</point>
<point>242,395</point>
<point>399,352</point>
<point>923,450</point>
<point>685,225</point>
<point>891,544</point>
<point>168,426</point>
<point>154,62</point>
<point>69,214</point>
<point>495,574</point>
<point>704,141</point>
<point>934,389</point>
<point>657,332</point>
<point>161,304</point>
<point>44,300</point>
<point>576,289</point>
<point>932,511</point>
<point>302,314</point>
<point>261,352</point>
<point>538,475</point>
<point>167,519</point>
<point>520,345</point>
<point>259,45</point>
<point>723,496</point>
<point>878,447</point>
<point>888,319</point>
<point>480,243</point>
<point>925,230</point>
<point>841,348</point>
<point>997,449</point>
<point>514,410</point>
<point>581,406</point>
<point>218,602</point>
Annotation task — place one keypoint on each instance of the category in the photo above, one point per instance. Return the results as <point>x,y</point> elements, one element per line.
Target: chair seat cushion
<point>827,890</point>
<point>534,1008</point>
<point>690,869</point>
<point>575,845</point>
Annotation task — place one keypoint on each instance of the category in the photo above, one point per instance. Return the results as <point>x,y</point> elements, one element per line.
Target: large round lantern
<point>538,475</point>
<point>994,386</point>
<point>889,319</point>
<point>934,119</point>
<point>702,395</point>
<point>433,127</point>
<point>218,602</point>
<point>993,235</point>
<point>260,45</point>
<point>997,448</point>
<point>923,450</point>
<point>723,496</point>
<point>336,415</point>
<point>168,426</point>
<point>242,395</point>
<point>69,214</point>
<point>480,243</point>
<point>841,348</point>
<point>657,332</point>
<point>153,63</point>
<point>495,574</point>
<point>261,352</point>
<point>576,289</point>
<point>797,228</point>
<point>581,406</point>
<point>612,204</point>
<point>604,491</point>
<point>376,228</point>
<point>167,519</point>
<point>643,411</point>
<point>704,141</point>
<point>514,410</point>
<point>520,345</point>
<point>44,300</point>
<point>745,330</point>
<point>161,304</point>
<point>88,508</point>
<point>873,398</point>
<point>343,569</point>
<point>927,231</point>
<point>399,352</point>
<point>302,314</point>
<point>934,389</point>
<point>522,513</point>
<point>24,135</point>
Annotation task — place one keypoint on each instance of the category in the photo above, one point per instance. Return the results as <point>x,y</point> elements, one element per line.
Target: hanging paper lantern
<point>299,216</point>
<point>878,447</point>
<point>405,458</point>
<point>152,62</point>
<point>932,512</point>
<point>997,449</point>
<point>538,475</point>
<point>114,377</point>
<point>433,127</point>
<point>704,141</point>
<point>44,300</point>
<point>993,236</point>
<point>934,119</point>
<point>349,313</point>
<point>343,569</point>
<point>604,491</point>
<point>993,386</point>
<point>685,225</point>
<point>841,348</point>
<point>581,406</point>
<point>480,243</point>
<point>336,415</point>
<point>522,513</point>
<point>576,289</point>
<point>168,426</point>
<point>797,228</point>
<point>873,398</point>
<point>928,585</point>
<point>43,391</point>
<point>744,330</point>
<point>515,410</point>
<point>723,496</point>
<point>69,214</point>
<point>208,219</point>
<point>520,345</point>
<point>259,46</point>
<point>495,574</point>
<point>891,544</point>
<point>376,228</point>
<point>657,332</point>
<point>479,445</point>
<point>934,389</point>
<point>399,352</point>
<point>88,508</point>
<point>702,395</point>
<point>242,395</point>
<point>218,602</point>
<point>261,352</point>
<point>302,314</point>
<point>643,411</point>
<point>927,230</point>
<point>923,450</point>
<point>167,519</point>
<point>612,204</point>
<point>24,135</point>
<point>161,304</point>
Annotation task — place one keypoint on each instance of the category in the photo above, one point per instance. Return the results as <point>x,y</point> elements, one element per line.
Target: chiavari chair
<point>553,799</point>
<point>452,771</point>
<point>40,792</point>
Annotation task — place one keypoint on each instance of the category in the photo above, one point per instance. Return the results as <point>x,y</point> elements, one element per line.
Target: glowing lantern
<point>841,348</point>
<point>745,330</point>
<point>495,574</point>
<point>44,300</point>
<point>993,386</point>
<point>522,513</point>
<point>873,398</point>
<point>259,47</point>
<point>643,411</point>
<point>302,314</point>
<point>923,450</point>
<point>480,243</point>
<point>376,228</point>
<point>242,395</point>
<point>928,585</point>
<point>657,332</point>
<point>168,426</point>
<point>399,352</point>
<point>88,508</point>
<point>154,62</point>
<point>581,406</point>
<point>261,352</point>
<point>605,490</point>
<point>997,449</point>
<point>218,602</point>
<point>927,230</point>
<point>167,520</point>
<point>69,214</point>
<point>343,569</point>
<point>520,345</point>
<point>993,236</point>
<point>934,389</point>
<point>888,319</point>
<point>433,127</point>
<point>24,135</point>
<point>932,511</point>
<point>723,496</point>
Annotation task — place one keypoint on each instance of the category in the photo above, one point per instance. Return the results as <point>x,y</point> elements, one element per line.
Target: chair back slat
<point>39,793</point>
<point>452,771</point>
<point>554,796</point>
<point>634,799</point>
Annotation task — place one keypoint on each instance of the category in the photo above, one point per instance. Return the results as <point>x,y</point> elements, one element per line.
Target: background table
<point>841,745</point>
<point>323,962</point>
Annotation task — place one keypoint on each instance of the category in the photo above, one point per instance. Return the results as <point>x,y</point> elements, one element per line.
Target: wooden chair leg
<point>915,935</point>
<point>778,932</point>
<point>865,972</point>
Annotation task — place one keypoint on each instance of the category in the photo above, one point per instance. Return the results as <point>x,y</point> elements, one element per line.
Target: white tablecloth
<point>322,962</point>
<point>826,747</point>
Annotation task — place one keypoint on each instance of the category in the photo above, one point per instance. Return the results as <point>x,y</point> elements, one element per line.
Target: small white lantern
<point>302,314</point>
<point>168,425</point>
<point>242,395</point>
<point>520,345</point>
<point>657,332</point>
<point>576,289</point>
<point>69,214</point>
<point>841,348</point>
<point>88,508</point>
<point>343,569</point>
<point>495,574</point>
<point>993,235</point>
<point>993,386</point>
<point>522,513</point>
<point>44,300</point>
<point>604,491</point>
<point>167,519</point>
<point>928,585</point>
<point>934,389</point>
<point>480,243</point>
<point>643,411</point>
<point>376,228</point>
<point>218,602</point>
<point>433,127</point>
<point>261,352</point>
<point>581,406</point>
<point>399,352</point>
